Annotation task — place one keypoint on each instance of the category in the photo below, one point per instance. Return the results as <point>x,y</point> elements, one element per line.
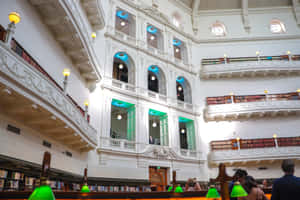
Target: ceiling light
<point>123,23</point>
<point>177,50</point>
<point>152,37</point>
<point>288,53</point>
<point>274,135</point>
<point>119,116</point>
<point>153,78</point>
<point>121,66</point>
<point>179,88</point>
<point>182,130</point>
<point>257,53</point>
<point>154,124</point>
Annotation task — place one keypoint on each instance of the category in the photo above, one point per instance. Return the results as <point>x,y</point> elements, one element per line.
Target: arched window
<point>183,90</point>
<point>154,37</point>
<point>276,26</point>
<point>125,22</point>
<point>218,29</point>
<point>176,19</point>
<point>123,68</point>
<point>180,50</point>
<point>156,80</point>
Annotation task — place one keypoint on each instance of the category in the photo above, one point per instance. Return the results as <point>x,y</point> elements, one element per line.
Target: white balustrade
<point>249,67</point>
<point>223,110</point>
<point>34,82</point>
<point>255,154</point>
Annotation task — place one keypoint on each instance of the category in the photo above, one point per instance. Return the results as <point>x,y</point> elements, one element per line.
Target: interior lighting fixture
<point>274,135</point>
<point>179,88</point>
<point>152,37</point>
<point>212,193</point>
<point>86,103</point>
<point>123,23</point>
<point>257,53</point>
<point>154,124</point>
<point>182,131</point>
<point>14,17</point>
<point>121,66</point>
<point>266,91</point>
<point>238,190</point>
<point>298,90</point>
<point>288,53</point>
<point>153,78</point>
<point>66,72</point>
<point>93,35</point>
<point>177,50</point>
<point>119,117</point>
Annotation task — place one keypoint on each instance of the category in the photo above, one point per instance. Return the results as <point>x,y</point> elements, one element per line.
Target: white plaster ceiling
<point>234,4</point>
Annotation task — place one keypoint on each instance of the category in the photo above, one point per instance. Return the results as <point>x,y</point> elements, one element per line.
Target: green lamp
<point>85,187</point>
<point>212,193</point>
<point>238,190</point>
<point>44,191</point>
<point>178,189</point>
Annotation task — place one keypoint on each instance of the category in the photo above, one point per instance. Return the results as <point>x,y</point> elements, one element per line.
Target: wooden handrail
<point>254,143</point>
<point>251,98</point>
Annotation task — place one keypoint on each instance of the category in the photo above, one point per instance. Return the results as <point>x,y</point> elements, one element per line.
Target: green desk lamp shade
<point>178,189</point>
<point>238,191</point>
<point>85,188</point>
<point>43,192</point>
<point>212,193</point>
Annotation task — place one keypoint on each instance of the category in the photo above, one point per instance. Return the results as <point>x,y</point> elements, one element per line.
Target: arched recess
<point>123,68</point>
<point>156,80</point>
<point>183,89</point>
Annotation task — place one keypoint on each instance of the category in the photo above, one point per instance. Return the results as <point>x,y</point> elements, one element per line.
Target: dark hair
<point>288,166</point>
<point>240,173</point>
<point>249,183</point>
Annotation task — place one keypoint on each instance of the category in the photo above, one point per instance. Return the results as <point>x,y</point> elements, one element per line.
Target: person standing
<point>288,186</point>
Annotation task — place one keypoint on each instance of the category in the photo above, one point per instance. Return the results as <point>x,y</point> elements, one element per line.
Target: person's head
<point>265,183</point>
<point>249,183</point>
<point>240,175</point>
<point>288,166</point>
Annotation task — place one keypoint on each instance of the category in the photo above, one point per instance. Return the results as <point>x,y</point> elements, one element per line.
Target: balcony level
<point>72,24</point>
<point>227,108</point>
<point>31,96</point>
<point>123,146</point>
<point>147,95</point>
<point>214,68</point>
<point>243,151</point>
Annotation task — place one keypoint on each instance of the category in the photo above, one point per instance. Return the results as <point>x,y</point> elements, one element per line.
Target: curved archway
<point>183,89</point>
<point>156,80</point>
<point>123,68</point>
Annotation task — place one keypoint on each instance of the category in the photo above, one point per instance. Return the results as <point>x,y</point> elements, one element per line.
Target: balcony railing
<point>188,153</point>
<point>232,106</point>
<point>19,66</point>
<point>18,49</point>
<point>250,66</point>
<point>255,149</point>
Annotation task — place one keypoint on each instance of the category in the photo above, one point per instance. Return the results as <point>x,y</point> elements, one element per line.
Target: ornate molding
<point>149,152</point>
<point>21,73</point>
<point>251,68</point>
<point>235,111</point>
